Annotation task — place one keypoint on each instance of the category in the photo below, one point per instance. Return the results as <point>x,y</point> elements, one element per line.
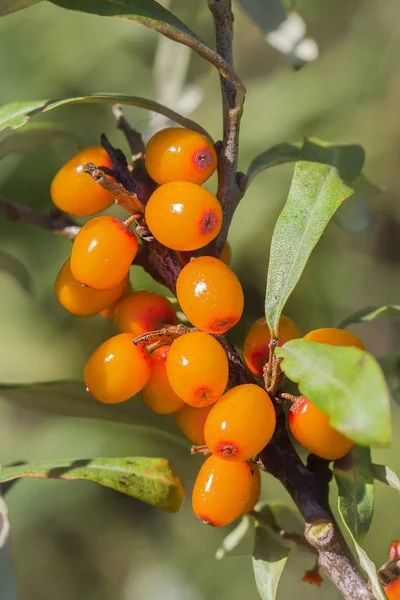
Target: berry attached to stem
<point>157,394</point>
<point>141,312</point>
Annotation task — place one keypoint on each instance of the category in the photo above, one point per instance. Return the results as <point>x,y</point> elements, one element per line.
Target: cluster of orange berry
<point>187,376</point>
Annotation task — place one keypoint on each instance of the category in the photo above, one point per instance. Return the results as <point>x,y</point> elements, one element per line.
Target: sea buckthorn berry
<point>254,490</point>
<point>392,590</point>
<point>141,312</point>
<point>80,300</point>
<point>310,427</point>
<point>157,394</point>
<point>222,491</point>
<point>109,312</point>
<point>102,253</point>
<point>183,215</point>
<point>334,337</point>
<point>210,294</point>
<point>74,191</point>
<point>197,368</point>
<point>191,421</point>
<point>175,154</point>
<point>117,370</point>
<point>256,343</point>
<point>241,423</point>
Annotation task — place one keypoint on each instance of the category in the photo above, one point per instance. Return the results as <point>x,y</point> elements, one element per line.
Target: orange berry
<point>175,154</point>
<point>191,421</point>
<point>254,490</point>
<point>102,253</point>
<point>334,337</point>
<point>392,590</point>
<point>241,423</point>
<point>109,312</point>
<point>222,491</point>
<point>141,312</point>
<point>256,343</point>
<point>310,426</point>
<point>183,215</point>
<point>197,368</point>
<point>80,300</point>
<point>117,370</point>
<point>210,294</point>
<point>74,191</point>
<point>157,394</point>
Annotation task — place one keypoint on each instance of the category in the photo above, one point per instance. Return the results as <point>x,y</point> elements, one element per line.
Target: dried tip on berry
<point>203,395</point>
<point>226,449</point>
<point>208,222</point>
<point>203,158</point>
<point>206,521</point>
<point>222,325</point>
<point>312,577</point>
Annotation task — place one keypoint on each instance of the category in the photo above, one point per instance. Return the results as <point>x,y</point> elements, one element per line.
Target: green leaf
<point>148,479</point>
<point>4,523</point>
<point>390,365</point>
<point>10,6</point>
<point>317,190</point>
<point>345,383</point>
<point>16,114</point>
<point>277,155</point>
<point>69,398</point>
<point>385,475</point>
<point>156,17</point>
<point>355,481</point>
<point>369,313</point>
<point>235,539</point>
<point>269,559</point>
<point>33,138</point>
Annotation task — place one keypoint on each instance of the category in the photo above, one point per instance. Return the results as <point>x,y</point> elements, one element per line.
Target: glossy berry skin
<point>102,253</point>
<point>176,154</point>
<point>157,394</point>
<point>256,343</point>
<point>310,427</point>
<point>109,312</point>
<point>197,368</point>
<point>117,370</point>
<point>392,590</point>
<point>82,301</point>
<point>141,312</point>
<point>210,294</point>
<point>334,337</point>
<point>74,191</point>
<point>183,216</point>
<point>191,421</point>
<point>241,423</point>
<point>222,491</point>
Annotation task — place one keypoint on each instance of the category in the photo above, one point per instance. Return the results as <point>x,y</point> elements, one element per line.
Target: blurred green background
<point>77,541</point>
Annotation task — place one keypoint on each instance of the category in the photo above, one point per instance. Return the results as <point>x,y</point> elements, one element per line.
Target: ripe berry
<point>109,312</point>
<point>102,253</point>
<point>310,426</point>
<point>80,300</point>
<point>392,590</point>
<point>334,337</point>
<point>183,215</point>
<point>175,154</point>
<point>256,343</point>
<point>223,490</point>
<point>241,423</point>
<point>191,421</point>
<point>141,312</point>
<point>210,294</point>
<point>74,191</point>
<point>157,394</point>
<point>117,370</point>
<point>197,368</point>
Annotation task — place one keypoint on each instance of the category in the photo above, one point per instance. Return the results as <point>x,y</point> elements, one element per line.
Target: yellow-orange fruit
<point>157,394</point>
<point>191,421</point>
<point>334,337</point>
<point>310,426</point>
<point>241,423</point>
<point>392,590</point>
<point>222,491</point>
<point>197,368</point>
<point>141,312</point>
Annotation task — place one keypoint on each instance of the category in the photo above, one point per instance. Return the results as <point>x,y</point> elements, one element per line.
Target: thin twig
<point>297,538</point>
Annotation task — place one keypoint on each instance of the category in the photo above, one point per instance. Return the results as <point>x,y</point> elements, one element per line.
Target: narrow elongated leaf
<point>369,313</point>
<point>10,6</point>
<point>385,475</point>
<point>317,190</point>
<point>16,114</point>
<point>33,138</point>
<point>235,539</point>
<point>4,523</point>
<point>355,481</point>
<point>345,383</point>
<point>390,365</point>
<point>269,559</point>
<point>153,15</point>
<point>277,155</point>
<point>148,479</point>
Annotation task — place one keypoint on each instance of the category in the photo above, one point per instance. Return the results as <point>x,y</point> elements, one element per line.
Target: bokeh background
<point>75,540</point>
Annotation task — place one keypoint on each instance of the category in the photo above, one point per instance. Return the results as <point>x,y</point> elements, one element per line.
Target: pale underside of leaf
<point>385,475</point>
<point>269,559</point>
